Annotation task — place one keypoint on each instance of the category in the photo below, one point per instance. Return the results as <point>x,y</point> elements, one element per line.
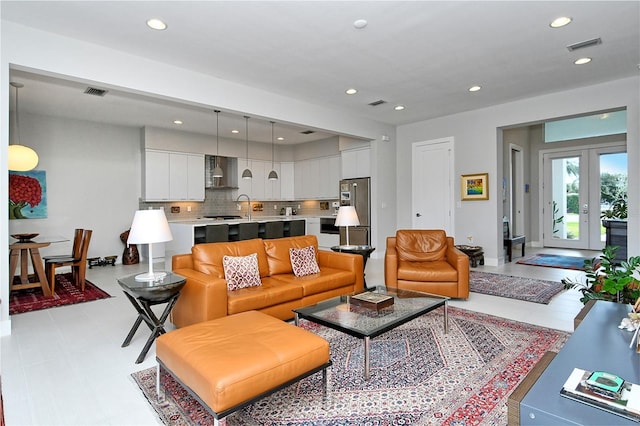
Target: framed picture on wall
<point>475,187</point>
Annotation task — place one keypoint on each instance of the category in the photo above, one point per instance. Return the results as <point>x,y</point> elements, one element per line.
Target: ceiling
<point>420,54</point>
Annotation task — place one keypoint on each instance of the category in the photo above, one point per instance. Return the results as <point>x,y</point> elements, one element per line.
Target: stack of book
<point>371,300</point>
<point>604,391</point>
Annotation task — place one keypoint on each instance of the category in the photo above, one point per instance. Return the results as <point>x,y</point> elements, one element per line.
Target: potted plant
<point>606,281</point>
<point>614,221</point>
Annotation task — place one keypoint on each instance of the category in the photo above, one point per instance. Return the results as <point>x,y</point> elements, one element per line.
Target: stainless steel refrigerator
<point>356,192</point>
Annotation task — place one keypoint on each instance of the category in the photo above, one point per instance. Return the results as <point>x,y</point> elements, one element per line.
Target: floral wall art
<point>28,195</point>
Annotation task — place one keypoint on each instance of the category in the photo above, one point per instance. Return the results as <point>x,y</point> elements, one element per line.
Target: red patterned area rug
<point>527,289</point>
<point>67,293</point>
<point>419,375</point>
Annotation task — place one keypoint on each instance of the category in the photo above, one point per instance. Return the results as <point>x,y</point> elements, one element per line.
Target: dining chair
<point>75,252</point>
<point>77,261</point>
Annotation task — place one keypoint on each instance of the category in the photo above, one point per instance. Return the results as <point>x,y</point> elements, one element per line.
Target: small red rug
<point>67,293</point>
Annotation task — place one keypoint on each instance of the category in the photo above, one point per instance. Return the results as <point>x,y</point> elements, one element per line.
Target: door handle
<point>418,215</point>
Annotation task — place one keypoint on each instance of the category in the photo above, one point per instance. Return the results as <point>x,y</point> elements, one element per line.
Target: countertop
<point>260,219</point>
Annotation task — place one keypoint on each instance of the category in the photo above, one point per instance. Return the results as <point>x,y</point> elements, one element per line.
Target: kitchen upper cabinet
<point>273,189</point>
<point>173,176</point>
<point>156,175</point>
<point>317,178</point>
<point>356,163</point>
<point>259,188</point>
<point>195,181</point>
<point>287,178</point>
<point>330,177</point>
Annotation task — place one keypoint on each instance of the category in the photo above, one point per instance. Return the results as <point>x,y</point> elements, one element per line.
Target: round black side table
<point>364,251</point>
<point>143,295</point>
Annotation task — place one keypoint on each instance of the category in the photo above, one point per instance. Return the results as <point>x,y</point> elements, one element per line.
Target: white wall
<point>93,181</point>
<point>477,151</point>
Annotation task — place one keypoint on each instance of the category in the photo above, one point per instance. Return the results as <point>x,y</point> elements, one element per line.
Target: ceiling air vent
<point>378,102</point>
<point>583,44</point>
<point>95,92</point>
<point>308,132</point>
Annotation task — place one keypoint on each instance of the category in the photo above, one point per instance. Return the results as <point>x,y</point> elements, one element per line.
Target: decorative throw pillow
<point>241,271</point>
<point>303,261</point>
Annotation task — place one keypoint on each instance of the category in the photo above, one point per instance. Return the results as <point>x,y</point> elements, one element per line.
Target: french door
<point>575,186</point>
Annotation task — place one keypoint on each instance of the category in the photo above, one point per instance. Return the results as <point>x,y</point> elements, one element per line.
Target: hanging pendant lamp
<point>246,174</point>
<point>21,157</point>
<point>273,175</point>
<point>217,171</point>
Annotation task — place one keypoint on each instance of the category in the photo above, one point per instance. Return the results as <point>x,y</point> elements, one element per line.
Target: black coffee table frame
<point>365,323</point>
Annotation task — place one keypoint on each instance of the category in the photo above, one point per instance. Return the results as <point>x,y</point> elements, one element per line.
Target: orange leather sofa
<point>427,261</point>
<point>205,295</point>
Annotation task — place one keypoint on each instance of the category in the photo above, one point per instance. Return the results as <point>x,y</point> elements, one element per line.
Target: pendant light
<point>246,174</point>
<point>273,175</point>
<point>21,157</point>
<point>217,171</point>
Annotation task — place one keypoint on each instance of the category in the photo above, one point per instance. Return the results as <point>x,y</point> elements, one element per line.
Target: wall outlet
<point>188,208</point>
<point>238,207</point>
<point>470,239</point>
<point>275,207</point>
<point>298,206</point>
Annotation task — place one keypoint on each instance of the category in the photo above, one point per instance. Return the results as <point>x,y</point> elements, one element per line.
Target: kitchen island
<point>187,233</point>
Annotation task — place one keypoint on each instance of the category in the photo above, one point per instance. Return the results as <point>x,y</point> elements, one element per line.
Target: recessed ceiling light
<point>177,122</point>
<point>398,107</point>
<point>280,138</point>
<point>475,88</point>
<point>156,24</point>
<point>351,91</point>
<point>360,23</point>
<point>582,61</point>
<point>235,131</point>
<point>560,22</point>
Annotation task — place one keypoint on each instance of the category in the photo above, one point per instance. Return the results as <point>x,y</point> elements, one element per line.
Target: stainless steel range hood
<point>229,179</point>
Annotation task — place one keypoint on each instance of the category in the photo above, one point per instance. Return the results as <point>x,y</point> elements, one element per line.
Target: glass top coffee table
<point>340,313</point>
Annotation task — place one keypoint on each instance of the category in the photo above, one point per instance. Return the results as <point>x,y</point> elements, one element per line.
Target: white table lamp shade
<point>347,216</point>
<point>148,227</point>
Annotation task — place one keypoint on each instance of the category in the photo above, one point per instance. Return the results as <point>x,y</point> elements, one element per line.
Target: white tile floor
<point>65,366</point>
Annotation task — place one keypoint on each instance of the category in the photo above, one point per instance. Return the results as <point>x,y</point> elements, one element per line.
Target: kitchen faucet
<point>248,204</point>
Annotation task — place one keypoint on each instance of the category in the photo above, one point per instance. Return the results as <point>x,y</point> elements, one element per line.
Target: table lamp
<point>148,227</point>
<point>347,216</point>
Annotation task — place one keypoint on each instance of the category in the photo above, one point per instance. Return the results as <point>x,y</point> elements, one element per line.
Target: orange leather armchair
<point>427,261</point>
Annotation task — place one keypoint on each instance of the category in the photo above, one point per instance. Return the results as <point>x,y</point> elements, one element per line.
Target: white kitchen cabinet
<point>195,181</point>
<point>317,178</point>
<point>286,178</point>
<point>156,175</point>
<point>259,188</point>
<point>173,176</point>
<point>330,177</point>
<point>273,189</point>
<point>356,163</point>
<point>178,176</point>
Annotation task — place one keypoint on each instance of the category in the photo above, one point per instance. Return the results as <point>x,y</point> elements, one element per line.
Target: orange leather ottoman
<point>231,362</point>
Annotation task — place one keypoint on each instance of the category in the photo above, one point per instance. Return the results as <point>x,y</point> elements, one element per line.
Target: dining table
<point>21,250</point>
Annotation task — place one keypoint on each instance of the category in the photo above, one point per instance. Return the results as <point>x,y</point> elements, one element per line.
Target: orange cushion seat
<point>231,360</point>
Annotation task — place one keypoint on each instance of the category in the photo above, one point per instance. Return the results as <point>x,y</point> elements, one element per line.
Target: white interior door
<point>432,179</point>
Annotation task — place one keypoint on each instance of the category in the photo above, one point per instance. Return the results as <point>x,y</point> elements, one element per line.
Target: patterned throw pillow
<point>303,261</point>
<point>241,271</point>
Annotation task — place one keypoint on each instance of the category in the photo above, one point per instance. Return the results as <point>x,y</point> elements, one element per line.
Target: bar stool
<point>248,230</point>
<point>273,230</point>
<point>217,233</point>
<point>296,228</point>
